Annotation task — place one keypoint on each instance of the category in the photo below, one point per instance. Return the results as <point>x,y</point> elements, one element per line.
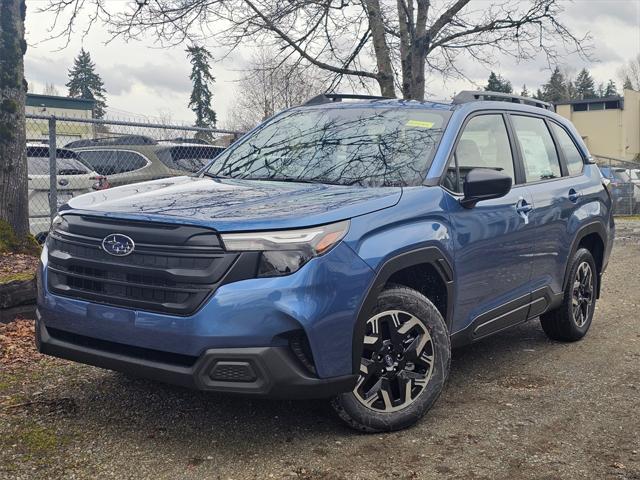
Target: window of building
<point>580,107</point>
<point>596,106</point>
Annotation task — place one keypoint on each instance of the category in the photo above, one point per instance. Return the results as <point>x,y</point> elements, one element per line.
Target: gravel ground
<point>516,406</point>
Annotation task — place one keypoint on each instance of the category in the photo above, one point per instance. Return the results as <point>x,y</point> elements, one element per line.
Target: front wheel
<point>404,365</point>
<point>571,321</point>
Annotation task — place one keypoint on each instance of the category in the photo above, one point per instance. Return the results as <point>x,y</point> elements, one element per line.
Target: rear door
<point>492,240</point>
<point>553,168</point>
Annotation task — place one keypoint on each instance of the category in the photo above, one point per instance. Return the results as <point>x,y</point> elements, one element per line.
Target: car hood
<point>234,205</point>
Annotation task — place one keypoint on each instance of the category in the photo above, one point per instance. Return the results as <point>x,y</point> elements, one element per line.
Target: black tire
<point>561,324</point>
<point>416,381</point>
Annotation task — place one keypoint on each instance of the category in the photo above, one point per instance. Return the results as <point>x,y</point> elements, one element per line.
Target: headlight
<point>285,251</point>
<point>56,222</point>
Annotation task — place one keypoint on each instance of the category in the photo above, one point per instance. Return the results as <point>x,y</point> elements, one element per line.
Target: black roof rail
<point>467,96</point>
<point>338,97</point>
<point>115,140</point>
<point>199,141</point>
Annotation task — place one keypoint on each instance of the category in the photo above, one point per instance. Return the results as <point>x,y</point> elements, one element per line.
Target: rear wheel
<point>571,321</point>
<point>404,365</point>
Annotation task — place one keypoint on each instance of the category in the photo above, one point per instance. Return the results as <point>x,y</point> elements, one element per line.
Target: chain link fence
<point>68,156</point>
<point>625,183</point>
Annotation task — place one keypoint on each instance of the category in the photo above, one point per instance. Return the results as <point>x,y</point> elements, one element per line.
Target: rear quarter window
<point>111,162</point>
<point>572,155</point>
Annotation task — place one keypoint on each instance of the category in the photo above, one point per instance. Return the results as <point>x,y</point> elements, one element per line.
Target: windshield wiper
<point>213,175</point>
<point>283,179</point>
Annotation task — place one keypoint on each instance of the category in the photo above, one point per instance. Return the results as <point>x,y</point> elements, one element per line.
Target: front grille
<point>173,268</point>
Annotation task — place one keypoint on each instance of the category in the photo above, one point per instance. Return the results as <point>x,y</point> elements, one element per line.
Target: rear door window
<point>539,153</point>
<point>571,153</point>
<point>112,162</point>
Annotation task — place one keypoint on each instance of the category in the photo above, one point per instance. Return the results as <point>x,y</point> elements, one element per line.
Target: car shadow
<point>148,411</point>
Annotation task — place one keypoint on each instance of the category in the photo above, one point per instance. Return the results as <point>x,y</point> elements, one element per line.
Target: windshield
<point>349,146</point>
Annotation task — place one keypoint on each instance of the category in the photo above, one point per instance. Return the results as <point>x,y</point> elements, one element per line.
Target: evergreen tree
<point>84,82</point>
<point>572,90</point>
<point>498,84</point>
<point>611,90</point>
<point>600,90</point>
<point>539,95</point>
<point>525,92</point>
<point>201,96</point>
<point>555,90</point>
<point>585,86</point>
<point>627,85</point>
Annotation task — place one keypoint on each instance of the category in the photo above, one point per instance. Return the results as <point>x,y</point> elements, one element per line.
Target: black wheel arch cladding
<point>430,255</point>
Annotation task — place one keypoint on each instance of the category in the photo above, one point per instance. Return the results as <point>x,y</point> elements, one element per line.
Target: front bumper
<point>260,371</point>
<point>320,302</point>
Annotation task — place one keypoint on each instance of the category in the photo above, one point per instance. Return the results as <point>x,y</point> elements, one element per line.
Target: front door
<point>493,240</point>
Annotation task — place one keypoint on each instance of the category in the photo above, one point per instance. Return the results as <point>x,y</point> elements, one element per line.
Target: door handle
<point>523,208</point>
<point>573,195</point>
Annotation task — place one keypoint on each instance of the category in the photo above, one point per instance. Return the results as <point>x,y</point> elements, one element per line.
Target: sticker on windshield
<point>419,123</point>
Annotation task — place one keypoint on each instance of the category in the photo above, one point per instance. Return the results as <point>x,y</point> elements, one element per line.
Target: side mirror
<point>484,184</point>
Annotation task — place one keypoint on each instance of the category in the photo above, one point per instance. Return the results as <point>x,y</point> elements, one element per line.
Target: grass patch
<point>38,439</point>
<point>9,242</point>
<point>17,277</point>
<point>33,440</point>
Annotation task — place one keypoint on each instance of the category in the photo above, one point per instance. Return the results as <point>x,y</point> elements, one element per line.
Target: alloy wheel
<point>582,300</point>
<point>397,361</point>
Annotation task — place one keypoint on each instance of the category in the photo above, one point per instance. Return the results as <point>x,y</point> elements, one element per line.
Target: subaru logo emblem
<point>118,245</point>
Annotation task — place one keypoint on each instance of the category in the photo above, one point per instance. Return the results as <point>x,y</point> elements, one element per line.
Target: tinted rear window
<point>112,162</point>
<point>190,158</point>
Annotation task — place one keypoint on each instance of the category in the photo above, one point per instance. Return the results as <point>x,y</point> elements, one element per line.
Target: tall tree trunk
<point>14,207</point>
<point>381,48</point>
<point>419,51</point>
<point>405,17</point>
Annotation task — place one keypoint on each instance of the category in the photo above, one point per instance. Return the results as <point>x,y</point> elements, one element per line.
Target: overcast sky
<point>144,80</point>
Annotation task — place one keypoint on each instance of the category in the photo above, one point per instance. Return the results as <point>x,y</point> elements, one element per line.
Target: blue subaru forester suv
<point>340,249</point>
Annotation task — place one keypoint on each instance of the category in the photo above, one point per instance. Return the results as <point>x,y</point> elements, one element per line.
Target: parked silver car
<point>74,177</point>
<point>136,158</point>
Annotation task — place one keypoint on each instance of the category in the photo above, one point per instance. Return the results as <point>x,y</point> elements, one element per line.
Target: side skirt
<point>508,315</point>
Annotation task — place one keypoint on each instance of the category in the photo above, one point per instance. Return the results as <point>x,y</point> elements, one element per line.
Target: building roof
<point>613,98</point>
<point>55,101</point>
